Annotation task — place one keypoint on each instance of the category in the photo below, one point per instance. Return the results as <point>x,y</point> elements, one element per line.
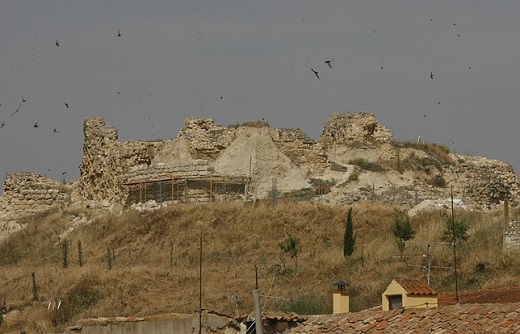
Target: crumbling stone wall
<point>168,170</point>
<point>106,162</point>
<point>205,139</point>
<point>28,193</point>
<point>301,149</point>
<point>486,182</point>
<point>355,127</point>
<point>196,182</point>
<point>512,237</point>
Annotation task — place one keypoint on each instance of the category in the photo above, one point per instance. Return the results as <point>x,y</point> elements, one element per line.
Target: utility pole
<point>506,222</point>
<point>454,247</point>
<point>258,314</point>
<point>273,190</point>
<point>429,265</point>
<point>200,283</point>
<point>256,276</point>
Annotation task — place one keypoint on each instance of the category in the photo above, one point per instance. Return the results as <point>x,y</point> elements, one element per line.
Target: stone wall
<point>355,127</point>
<point>301,149</point>
<point>168,183</point>
<point>486,182</point>
<point>28,193</point>
<point>205,139</point>
<point>160,324</point>
<point>512,238</point>
<point>168,170</point>
<point>106,163</point>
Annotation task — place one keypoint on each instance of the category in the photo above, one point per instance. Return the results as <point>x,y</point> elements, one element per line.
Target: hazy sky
<point>240,60</point>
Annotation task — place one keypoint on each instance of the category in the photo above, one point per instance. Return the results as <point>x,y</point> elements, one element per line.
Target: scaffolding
<point>188,189</point>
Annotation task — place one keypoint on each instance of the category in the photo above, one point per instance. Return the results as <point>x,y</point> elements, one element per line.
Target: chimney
<point>340,298</point>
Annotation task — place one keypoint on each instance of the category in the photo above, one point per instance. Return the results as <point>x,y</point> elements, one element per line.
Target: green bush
<point>366,165</point>
<point>291,245</point>
<point>80,298</point>
<point>354,176</point>
<point>304,194</point>
<point>437,181</point>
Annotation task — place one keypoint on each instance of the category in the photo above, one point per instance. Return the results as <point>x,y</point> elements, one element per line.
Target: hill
<point>146,263</point>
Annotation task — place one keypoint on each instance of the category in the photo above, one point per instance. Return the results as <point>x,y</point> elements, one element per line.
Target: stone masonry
<point>27,193</point>
<point>355,127</point>
<point>106,163</point>
<point>512,237</point>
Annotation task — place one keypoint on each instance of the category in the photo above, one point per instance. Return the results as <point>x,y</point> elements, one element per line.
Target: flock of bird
<point>328,62</point>
<point>23,100</point>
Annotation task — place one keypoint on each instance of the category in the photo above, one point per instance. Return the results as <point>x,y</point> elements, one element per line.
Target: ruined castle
<point>210,162</point>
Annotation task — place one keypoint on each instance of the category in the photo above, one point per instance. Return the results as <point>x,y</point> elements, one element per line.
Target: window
<point>395,301</point>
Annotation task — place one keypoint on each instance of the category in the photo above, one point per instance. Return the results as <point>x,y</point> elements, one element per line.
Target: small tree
<point>34,287</point>
<point>403,230</point>
<point>110,258</point>
<point>452,226</point>
<point>292,246</point>
<point>80,253</point>
<point>65,251</point>
<point>349,241</point>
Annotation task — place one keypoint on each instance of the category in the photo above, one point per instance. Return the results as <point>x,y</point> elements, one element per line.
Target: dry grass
<point>156,265</point>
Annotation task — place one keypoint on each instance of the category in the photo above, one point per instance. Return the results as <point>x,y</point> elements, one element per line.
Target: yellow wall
<point>340,302</point>
<point>408,301</point>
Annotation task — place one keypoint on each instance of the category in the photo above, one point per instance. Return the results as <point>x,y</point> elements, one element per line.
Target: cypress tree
<point>349,241</point>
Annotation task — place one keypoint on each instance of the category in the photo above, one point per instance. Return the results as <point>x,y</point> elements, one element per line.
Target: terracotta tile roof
<point>272,315</point>
<point>488,318</point>
<point>416,286</point>
<point>483,296</point>
<point>281,316</point>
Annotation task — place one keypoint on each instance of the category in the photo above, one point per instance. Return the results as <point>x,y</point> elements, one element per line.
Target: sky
<point>448,71</point>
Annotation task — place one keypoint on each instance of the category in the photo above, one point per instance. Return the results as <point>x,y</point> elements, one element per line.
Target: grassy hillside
<point>154,260</point>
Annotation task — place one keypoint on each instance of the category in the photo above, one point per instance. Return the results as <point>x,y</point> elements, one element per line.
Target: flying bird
<point>315,72</point>
<point>36,125</point>
<point>55,130</point>
<point>431,75</point>
<point>328,62</point>
<point>23,100</point>
<point>66,105</point>
<point>57,43</point>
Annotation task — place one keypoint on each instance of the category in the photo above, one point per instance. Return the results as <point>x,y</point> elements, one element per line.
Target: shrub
<point>291,245</point>
<point>80,298</point>
<point>437,181</point>
<point>366,165</point>
<point>354,176</point>
<point>253,124</point>
<point>304,194</point>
